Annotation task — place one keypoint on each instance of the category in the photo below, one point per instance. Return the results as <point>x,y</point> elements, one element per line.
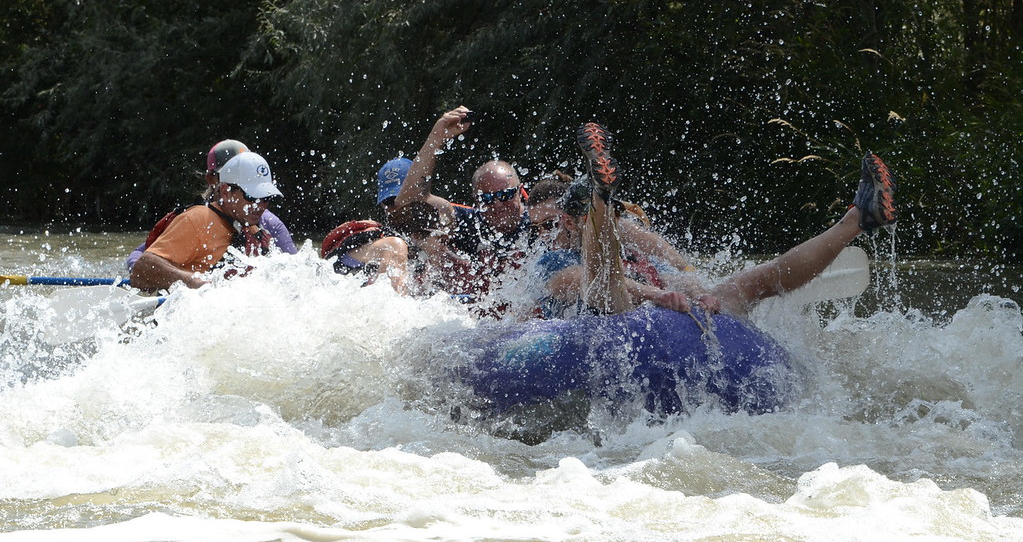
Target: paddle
<point>847,276</point>
<point>22,280</point>
<point>79,312</point>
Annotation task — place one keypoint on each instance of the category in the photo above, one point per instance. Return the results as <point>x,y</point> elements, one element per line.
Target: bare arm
<point>390,254</point>
<point>652,244</point>
<point>152,273</point>
<point>566,285</point>
<point>418,184</point>
<point>676,301</point>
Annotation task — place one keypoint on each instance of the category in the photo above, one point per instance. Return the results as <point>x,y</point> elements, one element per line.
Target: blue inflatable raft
<point>657,356</point>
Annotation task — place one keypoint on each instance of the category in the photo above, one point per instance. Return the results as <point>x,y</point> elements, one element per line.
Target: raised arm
<point>418,184</point>
<point>282,237</point>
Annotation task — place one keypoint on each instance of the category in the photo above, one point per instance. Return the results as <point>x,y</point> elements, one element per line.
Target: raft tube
<point>662,357</point>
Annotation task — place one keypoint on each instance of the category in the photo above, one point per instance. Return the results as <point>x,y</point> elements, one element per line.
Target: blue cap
<point>390,177</point>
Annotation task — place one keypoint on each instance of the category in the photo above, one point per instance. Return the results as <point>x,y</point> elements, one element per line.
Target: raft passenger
<point>369,249</point>
<point>438,267</point>
<point>488,234</point>
<point>197,240</point>
<point>217,156</point>
<point>591,273</point>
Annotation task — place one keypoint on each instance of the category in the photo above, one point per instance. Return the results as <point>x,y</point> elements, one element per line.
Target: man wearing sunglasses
<point>197,240</point>
<point>488,232</point>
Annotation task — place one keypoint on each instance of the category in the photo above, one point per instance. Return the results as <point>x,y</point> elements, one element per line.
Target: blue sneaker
<point>875,197</point>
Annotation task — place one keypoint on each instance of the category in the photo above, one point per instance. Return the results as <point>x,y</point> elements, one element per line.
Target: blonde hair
<point>551,186</point>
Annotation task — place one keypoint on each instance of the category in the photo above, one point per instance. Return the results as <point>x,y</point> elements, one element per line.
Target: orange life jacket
<point>253,241</point>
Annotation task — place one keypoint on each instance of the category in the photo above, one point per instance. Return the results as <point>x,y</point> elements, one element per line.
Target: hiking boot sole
<point>877,208</point>
<point>596,143</point>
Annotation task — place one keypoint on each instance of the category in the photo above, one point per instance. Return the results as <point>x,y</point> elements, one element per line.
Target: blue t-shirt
<point>546,267</point>
<point>556,260</point>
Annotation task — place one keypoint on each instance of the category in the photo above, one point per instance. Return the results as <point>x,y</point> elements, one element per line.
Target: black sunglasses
<point>488,198</point>
<point>537,228</point>
<point>247,196</point>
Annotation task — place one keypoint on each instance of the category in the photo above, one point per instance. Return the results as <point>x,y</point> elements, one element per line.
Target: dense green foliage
<point>746,117</point>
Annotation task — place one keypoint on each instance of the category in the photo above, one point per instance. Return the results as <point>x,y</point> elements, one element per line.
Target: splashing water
<point>290,405</point>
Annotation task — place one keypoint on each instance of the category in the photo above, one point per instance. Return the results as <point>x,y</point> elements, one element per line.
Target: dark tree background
<point>745,118</point>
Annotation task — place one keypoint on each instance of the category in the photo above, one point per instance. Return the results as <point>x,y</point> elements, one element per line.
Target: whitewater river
<point>292,405</point>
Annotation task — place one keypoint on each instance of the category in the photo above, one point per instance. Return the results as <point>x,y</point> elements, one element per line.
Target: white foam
<point>281,406</point>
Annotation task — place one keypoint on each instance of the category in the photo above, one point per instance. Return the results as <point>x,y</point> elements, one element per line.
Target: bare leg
<point>604,287</point>
<point>603,284</point>
<point>873,207</point>
<point>789,271</point>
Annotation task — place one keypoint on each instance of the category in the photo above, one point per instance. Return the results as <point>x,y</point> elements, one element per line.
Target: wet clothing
<point>472,234</point>
<point>347,265</point>
<point>350,236</point>
<point>251,240</point>
<point>268,222</point>
<point>637,267</point>
<point>278,231</point>
<point>196,240</point>
<point>546,267</point>
<point>484,253</point>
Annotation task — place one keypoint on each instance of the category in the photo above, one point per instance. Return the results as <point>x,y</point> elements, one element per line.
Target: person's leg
<point>873,207</point>
<point>603,285</point>
<point>740,292</point>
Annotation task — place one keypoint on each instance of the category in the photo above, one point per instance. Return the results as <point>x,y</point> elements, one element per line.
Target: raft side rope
<point>707,335</point>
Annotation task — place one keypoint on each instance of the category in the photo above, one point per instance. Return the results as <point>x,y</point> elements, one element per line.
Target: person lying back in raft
<point>559,205</point>
<point>367,247</point>
<point>488,234</point>
<point>646,254</point>
<point>218,155</point>
<point>197,240</point>
<point>596,278</point>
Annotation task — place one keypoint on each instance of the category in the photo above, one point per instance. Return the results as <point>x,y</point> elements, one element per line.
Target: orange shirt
<point>195,240</point>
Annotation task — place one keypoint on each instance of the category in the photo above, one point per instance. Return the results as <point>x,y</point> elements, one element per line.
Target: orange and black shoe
<point>595,143</point>
<point>875,196</point>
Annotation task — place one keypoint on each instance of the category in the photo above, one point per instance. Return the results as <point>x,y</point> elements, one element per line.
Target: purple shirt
<point>269,222</point>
